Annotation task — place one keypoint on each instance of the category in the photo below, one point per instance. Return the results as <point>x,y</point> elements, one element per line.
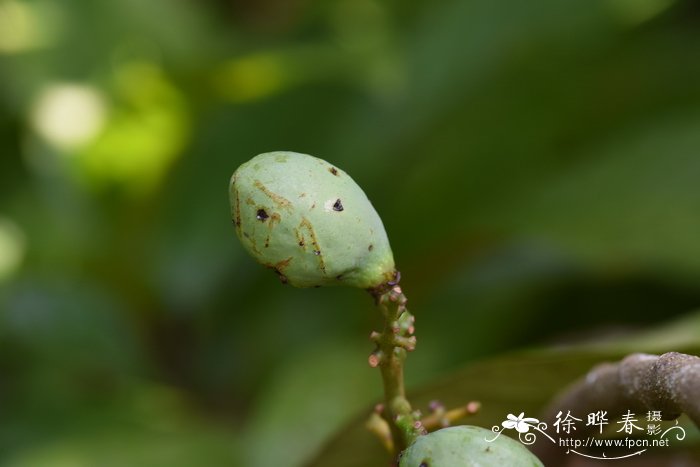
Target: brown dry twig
<point>669,383</point>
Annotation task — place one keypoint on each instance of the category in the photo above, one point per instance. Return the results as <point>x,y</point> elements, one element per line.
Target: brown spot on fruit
<point>338,205</point>
<point>334,171</point>
<point>370,247</point>
<point>261,215</point>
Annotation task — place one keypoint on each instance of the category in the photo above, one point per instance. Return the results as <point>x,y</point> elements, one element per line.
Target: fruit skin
<point>466,446</point>
<point>309,221</point>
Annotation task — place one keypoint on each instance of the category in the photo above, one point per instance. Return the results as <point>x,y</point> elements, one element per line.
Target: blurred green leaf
<point>534,165</point>
<point>332,379</point>
<point>150,427</point>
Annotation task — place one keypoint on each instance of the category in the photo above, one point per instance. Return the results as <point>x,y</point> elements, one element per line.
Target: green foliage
<point>534,164</point>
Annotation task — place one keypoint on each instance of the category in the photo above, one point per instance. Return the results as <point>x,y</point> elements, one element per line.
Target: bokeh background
<point>536,165</point>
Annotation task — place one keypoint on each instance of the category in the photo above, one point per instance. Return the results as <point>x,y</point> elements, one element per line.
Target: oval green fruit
<point>309,221</point>
<point>466,446</point>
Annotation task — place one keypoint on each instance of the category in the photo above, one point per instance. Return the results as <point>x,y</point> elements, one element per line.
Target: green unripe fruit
<point>466,446</point>
<point>309,221</point>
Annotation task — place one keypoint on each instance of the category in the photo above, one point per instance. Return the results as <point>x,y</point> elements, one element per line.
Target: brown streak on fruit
<point>282,265</point>
<point>274,219</point>
<point>283,278</point>
<point>237,221</point>
<point>300,238</point>
<point>279,268</point>
<point>277,199</point>
<point>314,241</point>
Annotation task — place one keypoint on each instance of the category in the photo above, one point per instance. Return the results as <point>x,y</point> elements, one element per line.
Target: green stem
<point>395,340</point>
